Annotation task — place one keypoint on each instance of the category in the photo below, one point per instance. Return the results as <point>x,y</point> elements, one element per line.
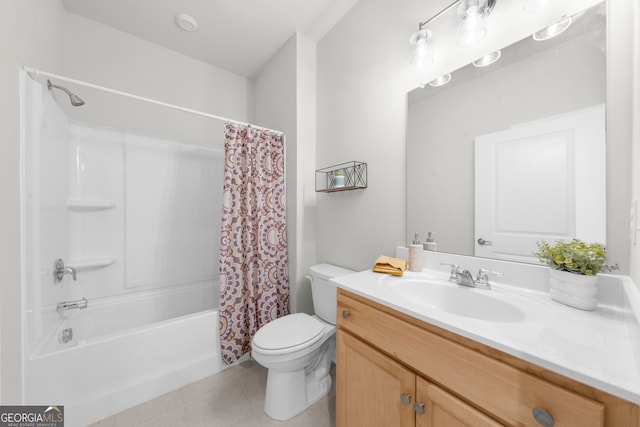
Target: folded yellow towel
<point>389,265</point>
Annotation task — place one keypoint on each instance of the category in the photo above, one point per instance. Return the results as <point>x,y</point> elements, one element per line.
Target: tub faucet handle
<point>59,270</point>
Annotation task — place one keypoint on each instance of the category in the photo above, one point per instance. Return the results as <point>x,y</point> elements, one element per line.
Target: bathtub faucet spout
<point>71,305</point>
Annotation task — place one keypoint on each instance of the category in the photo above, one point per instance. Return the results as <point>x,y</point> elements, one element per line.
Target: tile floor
<point>233,397</point>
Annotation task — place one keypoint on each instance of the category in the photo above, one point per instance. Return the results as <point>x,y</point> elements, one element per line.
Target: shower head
<point>75,99</point>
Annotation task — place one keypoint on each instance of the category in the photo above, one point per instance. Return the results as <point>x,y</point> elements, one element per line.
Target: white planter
<point>573,289</point>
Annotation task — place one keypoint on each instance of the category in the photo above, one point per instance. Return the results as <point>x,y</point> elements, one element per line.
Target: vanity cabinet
<point>381,392</point>
<point>372,392</point>
<point>391,367</point>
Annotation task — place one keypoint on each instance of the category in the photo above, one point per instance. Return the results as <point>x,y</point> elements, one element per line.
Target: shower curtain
<point>254,278</point>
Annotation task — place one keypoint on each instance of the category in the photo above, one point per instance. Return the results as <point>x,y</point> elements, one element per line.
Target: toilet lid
<point>288,331</point>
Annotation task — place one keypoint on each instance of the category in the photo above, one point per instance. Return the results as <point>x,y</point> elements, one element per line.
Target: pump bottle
<point>415,254</point>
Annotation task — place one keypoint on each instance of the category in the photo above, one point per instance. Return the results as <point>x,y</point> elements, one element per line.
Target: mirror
<point>531,81</point>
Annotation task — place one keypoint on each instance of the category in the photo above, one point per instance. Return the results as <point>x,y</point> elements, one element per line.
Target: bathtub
<point>107,367</point>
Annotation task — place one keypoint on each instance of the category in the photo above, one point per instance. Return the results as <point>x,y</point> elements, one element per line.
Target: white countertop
<point>600,348</point>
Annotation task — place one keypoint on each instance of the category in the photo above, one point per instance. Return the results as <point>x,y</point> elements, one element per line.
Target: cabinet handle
<point>419,408</point>
<point>405,399</point>
<point>543,417</point>
<point>345,314</point>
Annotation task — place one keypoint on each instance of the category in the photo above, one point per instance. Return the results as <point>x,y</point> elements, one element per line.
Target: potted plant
<point>574,268</point>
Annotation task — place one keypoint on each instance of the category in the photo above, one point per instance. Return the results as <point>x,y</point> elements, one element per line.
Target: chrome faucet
<point>72,305</point>
<point>59,270</point>
<point>465,278</point>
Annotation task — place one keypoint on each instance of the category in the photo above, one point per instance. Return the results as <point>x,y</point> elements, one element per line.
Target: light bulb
<point>441,81</point>
<point>473,21</point>
<point>553,30</point>
<point>487,59</point>
<point>422,53</point>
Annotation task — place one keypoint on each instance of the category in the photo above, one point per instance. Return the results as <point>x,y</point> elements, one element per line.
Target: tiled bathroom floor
<point>233,397</point>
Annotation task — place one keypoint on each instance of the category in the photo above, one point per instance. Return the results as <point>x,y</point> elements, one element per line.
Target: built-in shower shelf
<point>82,205</point>
<point>92,263</point>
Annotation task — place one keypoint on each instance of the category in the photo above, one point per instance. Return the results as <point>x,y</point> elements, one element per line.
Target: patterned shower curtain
<point>254,278</point>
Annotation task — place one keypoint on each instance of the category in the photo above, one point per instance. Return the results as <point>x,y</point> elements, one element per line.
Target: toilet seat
<point>288,334</point>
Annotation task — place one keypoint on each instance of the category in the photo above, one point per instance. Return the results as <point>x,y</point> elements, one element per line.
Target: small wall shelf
<point>344,176</point>
<point>81,205</point>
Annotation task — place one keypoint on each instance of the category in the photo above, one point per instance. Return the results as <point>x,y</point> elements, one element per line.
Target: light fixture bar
<point>421,25</point>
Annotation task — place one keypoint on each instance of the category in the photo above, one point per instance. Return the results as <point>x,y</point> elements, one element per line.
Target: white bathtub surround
<point>138,217</point>
<point>600,348</point>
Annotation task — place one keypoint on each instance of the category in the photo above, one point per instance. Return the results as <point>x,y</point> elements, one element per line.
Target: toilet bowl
<point>298,349</point>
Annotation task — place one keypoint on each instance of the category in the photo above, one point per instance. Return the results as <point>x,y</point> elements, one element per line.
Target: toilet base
<point>289,393</point>
<point>318,389</point>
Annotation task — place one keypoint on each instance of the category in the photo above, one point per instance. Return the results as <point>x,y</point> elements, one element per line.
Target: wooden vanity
<point>397,370</point>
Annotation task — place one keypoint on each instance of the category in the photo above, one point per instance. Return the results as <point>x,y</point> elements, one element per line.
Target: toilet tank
<point>323,291</point>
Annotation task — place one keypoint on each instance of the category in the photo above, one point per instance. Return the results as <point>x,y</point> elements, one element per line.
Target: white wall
<point>619,127</point>
<point>362,85</point>
<point>634,15</point>
<point>41,34</point>
<point>284,99</point>
<point>104,56</point>
<point>275,107</point>
<point>305,179</point>
<point>30,32</point>
<point>363,76</point>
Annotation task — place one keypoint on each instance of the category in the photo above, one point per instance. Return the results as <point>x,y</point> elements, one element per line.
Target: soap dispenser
<point>430,244</point>
<point>415,254</point>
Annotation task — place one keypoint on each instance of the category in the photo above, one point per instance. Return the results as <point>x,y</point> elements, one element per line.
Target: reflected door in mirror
<point>543,179</point>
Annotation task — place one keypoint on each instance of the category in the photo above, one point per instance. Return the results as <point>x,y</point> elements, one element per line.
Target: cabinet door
<point>370,387</point>
<point>442,409</point>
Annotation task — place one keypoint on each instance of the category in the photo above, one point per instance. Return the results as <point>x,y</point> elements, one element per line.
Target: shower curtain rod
<point>38,72</point>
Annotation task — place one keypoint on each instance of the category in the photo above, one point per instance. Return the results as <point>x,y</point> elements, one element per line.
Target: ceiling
<point>236,35</point>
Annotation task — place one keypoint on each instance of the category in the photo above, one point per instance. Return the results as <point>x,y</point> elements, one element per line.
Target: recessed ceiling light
<point>487,59</point>
<point>440,81</point>
<point>185,22</point>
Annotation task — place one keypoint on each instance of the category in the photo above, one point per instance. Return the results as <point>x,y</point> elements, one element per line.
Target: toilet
<point>297,349</point>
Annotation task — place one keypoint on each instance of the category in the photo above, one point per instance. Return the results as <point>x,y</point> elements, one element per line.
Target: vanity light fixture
<point>553,30</point>
<point>487,59</point>
<point>472,16</point>
<point>422,53</point>
<point>441,81</point>
<point>422,42</point>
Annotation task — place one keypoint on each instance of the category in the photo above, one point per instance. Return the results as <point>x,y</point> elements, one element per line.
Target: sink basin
<point>456,299</point>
